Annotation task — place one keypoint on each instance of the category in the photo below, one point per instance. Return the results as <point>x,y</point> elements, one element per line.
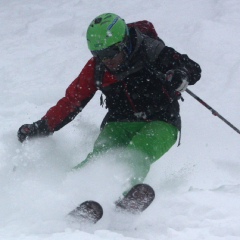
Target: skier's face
<point>113,56</point>
<point>114,63</point>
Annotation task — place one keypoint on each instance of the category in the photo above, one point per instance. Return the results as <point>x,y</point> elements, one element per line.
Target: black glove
<point>39,128</point>
<point>177,79</point>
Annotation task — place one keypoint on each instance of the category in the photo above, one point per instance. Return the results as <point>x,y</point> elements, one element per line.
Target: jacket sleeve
<point>78,94</point>
<point>170,59</point>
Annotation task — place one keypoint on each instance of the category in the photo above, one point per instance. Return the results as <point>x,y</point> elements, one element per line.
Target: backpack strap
<point>99,72</point>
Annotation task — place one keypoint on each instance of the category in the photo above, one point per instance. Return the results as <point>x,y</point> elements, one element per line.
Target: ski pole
<point>214,112</point>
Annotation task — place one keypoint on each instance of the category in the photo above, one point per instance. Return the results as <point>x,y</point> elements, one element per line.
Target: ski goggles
<point>114,50</point>
<point>110,52</point>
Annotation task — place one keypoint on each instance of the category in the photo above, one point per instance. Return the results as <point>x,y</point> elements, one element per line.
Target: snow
<point>43,48</point>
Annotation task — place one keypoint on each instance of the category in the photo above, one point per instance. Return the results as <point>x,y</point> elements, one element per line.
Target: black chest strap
<point>99,72</point>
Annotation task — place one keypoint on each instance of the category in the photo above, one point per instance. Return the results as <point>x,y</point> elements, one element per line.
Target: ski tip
<point>88,211</point>
<point>137,199</point>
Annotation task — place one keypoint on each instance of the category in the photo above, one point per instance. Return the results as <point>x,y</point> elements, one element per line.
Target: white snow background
<point>42,49</point>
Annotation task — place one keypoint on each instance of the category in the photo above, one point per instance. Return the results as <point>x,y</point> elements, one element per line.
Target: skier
<point>142,80</point>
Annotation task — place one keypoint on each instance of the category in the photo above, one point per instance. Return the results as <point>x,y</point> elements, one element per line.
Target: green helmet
<point>106,30</point>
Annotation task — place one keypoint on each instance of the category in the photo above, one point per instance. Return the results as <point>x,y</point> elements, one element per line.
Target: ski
<point>137,199</point>
<point>87,212</point>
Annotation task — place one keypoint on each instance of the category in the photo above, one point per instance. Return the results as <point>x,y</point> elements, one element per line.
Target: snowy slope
<point>43,48</point>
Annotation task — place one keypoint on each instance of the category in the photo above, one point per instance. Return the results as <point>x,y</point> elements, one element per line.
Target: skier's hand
<point>38,128</point>
<point>177,79</point>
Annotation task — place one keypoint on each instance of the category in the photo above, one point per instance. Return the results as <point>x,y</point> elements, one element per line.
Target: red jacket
<point>127,98</point>
<point>79,92</point>
<point>82,89</point>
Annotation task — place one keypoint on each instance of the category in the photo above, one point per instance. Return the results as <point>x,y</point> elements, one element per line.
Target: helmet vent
<point>97,20</point>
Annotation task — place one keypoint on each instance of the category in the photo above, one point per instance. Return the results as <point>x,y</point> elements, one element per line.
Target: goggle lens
<point>109,52</point>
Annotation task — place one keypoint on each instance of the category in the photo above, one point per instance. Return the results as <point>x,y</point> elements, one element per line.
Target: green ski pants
<point>143,144</point>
